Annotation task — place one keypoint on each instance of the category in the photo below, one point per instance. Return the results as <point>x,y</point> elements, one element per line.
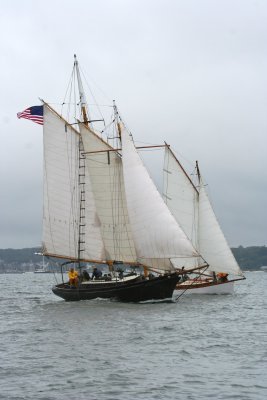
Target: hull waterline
<point>138,289</point>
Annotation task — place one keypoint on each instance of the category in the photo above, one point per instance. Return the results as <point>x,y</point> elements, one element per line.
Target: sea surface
<point>202,347</point>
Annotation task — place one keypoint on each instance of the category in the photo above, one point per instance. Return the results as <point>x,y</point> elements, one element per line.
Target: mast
<point>84,113</point>
<point>81,182</point>
<point>198,173</point>
<point>198,211</point>
<point>116,119</point>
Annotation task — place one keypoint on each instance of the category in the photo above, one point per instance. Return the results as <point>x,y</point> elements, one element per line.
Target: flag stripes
<point>34,113</point>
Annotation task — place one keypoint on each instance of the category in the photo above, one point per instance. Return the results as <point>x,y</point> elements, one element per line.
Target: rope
<point>178,297</point>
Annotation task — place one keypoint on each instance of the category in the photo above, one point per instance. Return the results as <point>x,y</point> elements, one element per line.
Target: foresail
<point>157,235</point>
<point>61,210</point>
<point>212,243</point>
<point>105,169</point>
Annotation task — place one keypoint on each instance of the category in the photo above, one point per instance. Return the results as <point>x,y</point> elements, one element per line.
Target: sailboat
<point>100,206</point>
<point>191,207</point>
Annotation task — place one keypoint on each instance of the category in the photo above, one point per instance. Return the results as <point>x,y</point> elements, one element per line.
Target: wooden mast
<point>84,113</point>
<point>116,118</point>
<point>198,172</point>
<point>82,167</point>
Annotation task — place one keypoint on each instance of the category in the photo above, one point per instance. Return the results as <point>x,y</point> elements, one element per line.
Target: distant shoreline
<point>251,258</point>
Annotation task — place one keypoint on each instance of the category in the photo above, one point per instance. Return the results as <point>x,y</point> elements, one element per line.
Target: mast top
<point>84,112</point>
<point>198,172</point>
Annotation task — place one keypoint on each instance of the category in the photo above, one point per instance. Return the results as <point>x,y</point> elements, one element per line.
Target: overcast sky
<point>190,72</point>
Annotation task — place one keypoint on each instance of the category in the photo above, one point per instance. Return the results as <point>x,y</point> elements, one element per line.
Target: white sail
<point>61,213</point>
<point>156,233</point>
<point>180,195</point>
<point>194,213</point>
<point>212,243</point>
<point>105,169</point>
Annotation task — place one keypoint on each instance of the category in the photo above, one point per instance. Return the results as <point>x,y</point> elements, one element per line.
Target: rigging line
<point>73,176</point>
<point>117,211</point>
<point>165,175</point>
<point>147,150</point>
<point>81,189</point>
<point>99,110</point>
<point>125,215</point>
<point>99,105</point>
<point>75,96</point>
<point>98,87</point>
<point>178,297</point>
<point>119,207</point>
<point>149,144</point>
<point>70,96</point>
<point>115,189</point>
<point>107,126</point>
<point>75,103</point>
<point>111,181</point>
<point>195,228</point>
<point>70,82</point>
<point>124,123</point>
<point>184,158</point>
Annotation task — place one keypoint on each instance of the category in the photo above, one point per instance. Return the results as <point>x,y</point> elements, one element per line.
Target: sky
<point>188,72</point>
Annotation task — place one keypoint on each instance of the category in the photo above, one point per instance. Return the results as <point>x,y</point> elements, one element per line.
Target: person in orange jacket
<point>222,277</point>
<point>73,277</point>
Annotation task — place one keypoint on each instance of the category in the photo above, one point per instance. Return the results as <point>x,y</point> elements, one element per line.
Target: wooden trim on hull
<point>139,289</point>
<point>196,285</point>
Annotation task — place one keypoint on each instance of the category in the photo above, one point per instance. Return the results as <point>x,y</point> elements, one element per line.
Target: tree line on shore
<point>249,258</point>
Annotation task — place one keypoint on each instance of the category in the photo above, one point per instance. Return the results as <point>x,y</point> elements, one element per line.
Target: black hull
<point>138,289</point>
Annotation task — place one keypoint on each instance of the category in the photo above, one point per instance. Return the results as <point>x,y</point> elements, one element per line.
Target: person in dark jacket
<point>86,276</point>
<point>97,274</point>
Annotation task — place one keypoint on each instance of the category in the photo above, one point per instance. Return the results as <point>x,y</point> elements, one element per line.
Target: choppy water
<point>203,347</point>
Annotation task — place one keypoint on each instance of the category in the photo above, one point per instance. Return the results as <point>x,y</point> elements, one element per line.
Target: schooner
<point>100,206</point>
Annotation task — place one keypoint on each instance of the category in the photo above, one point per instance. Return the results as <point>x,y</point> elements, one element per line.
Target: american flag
<point>34,113</point>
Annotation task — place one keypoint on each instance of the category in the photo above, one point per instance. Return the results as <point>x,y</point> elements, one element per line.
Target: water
<point>203,347</point>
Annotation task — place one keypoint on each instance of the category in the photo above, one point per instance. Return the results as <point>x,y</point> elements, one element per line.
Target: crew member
<point>222,277</point>
<point>73,277</point>
<point>96,273</point>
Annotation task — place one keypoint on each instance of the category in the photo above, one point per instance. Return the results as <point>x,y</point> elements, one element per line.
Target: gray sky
<point>191,72</point>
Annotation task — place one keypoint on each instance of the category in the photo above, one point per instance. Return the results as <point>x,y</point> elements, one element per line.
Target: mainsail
<point>61,209</point>
<point>192,209</point>
<point>157,235</point>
